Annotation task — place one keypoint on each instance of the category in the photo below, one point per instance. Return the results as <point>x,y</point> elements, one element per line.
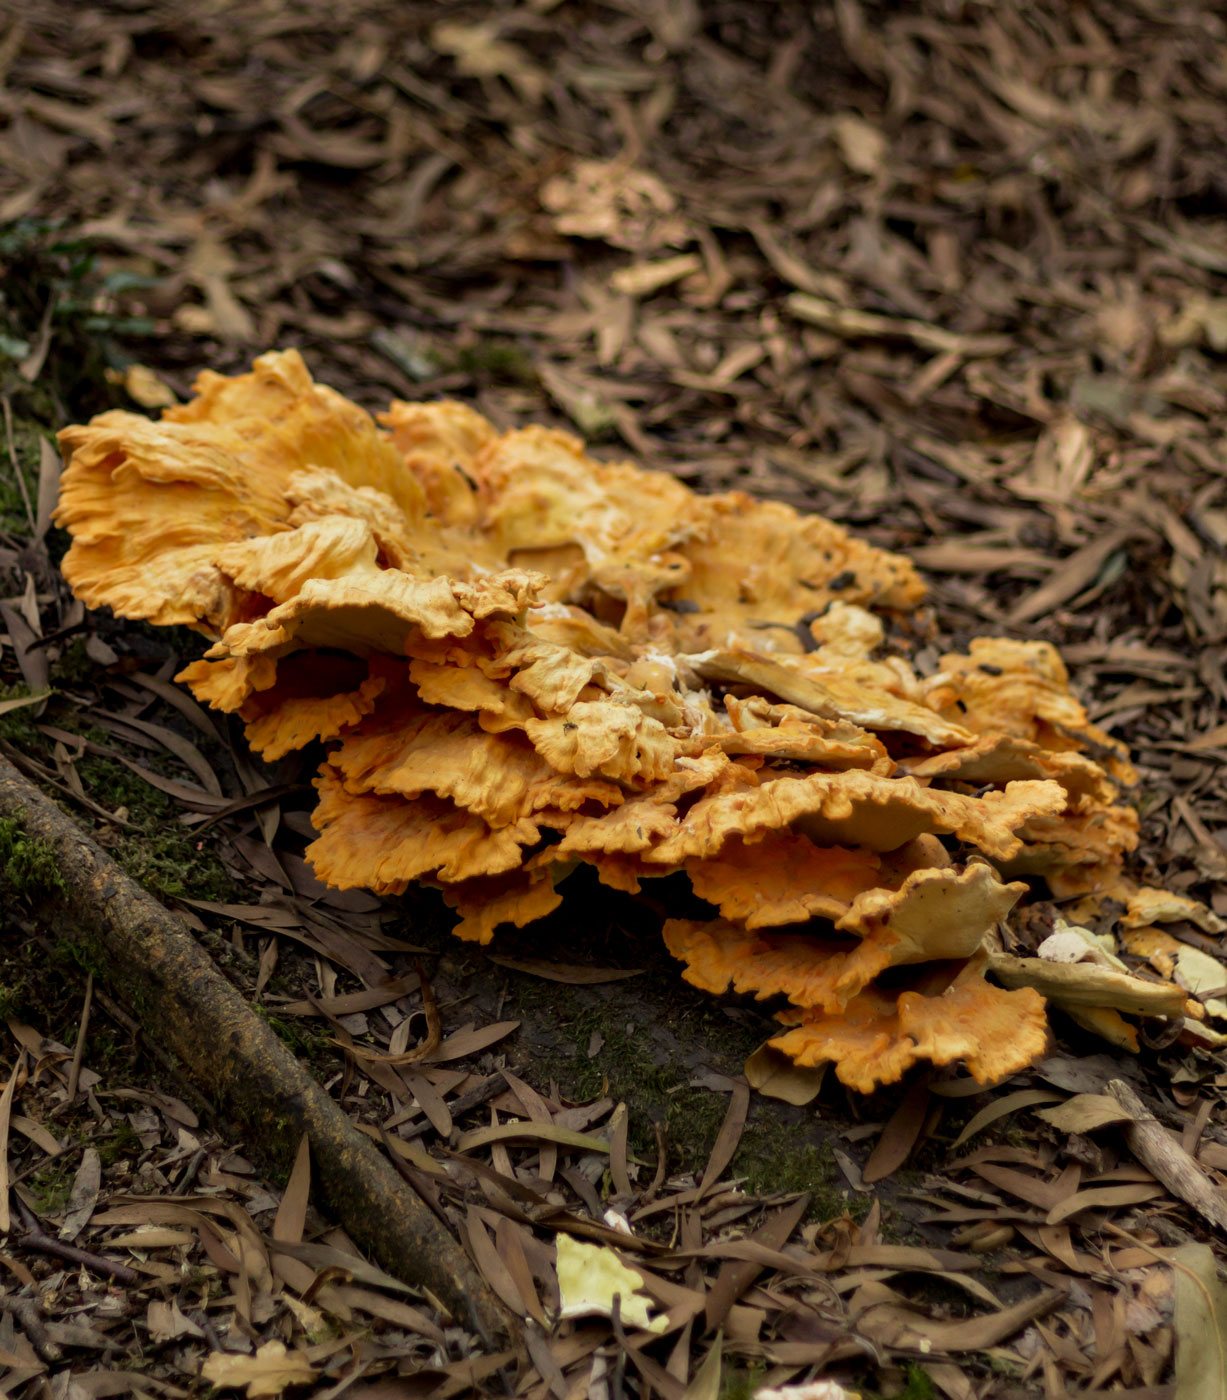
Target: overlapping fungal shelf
<point>520,660</point>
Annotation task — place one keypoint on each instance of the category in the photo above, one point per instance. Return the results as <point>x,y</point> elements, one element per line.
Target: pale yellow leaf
<point>591,1276</point>
<point>270,1371</point>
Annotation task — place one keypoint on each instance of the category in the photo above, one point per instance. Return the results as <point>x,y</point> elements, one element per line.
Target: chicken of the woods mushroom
<point>520,660</point>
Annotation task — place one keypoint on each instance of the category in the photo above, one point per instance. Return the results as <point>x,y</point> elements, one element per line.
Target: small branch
<point>78,1054</point>
<point>1161,1155</point>
<point>191,1014</point>
<point>44,1244</point>
<point>34,1238</point>
<point>460,1106</point>
<point>29,1315</point>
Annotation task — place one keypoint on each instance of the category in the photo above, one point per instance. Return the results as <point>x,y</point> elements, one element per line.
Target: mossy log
<point>150,962</point>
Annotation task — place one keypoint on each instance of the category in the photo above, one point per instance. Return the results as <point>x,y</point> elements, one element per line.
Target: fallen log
<point>151,963</point>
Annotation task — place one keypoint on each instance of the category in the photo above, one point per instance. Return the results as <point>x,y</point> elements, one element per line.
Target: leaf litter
<point>963,301</point>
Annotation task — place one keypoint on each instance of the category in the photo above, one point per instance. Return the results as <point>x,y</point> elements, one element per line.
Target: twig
<point>459,1106</point>
<point>78,1053</point>
<point>1160,1153</point>
<point>422,1051</point>
<point>203,1321</point>
<point>35,1239</point>
<point>27,1312</point>
<point>17,472</point>
<point>147,958</point>
<point>190,1172</point>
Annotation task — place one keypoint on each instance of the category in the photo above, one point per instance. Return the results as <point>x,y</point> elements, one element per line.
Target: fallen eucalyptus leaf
<point>808,1390</point>
<point>1084,1113</point>
<point>1200,1324</point>
<point>705,1383</point>
<point>572,974</point>
<point>774,1075</point>
<point>998,1108</point>
<point>84,1196</point>
<point>19,702</point>
<point>1198,972</point>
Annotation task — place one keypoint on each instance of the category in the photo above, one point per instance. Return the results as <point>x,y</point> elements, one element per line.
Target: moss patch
<point>16,726</point>
<point>916,1386</point>
<point>51,1188</point>
<point>646,1042</point>
<point>27,865</point>
<point>741,1382</point>
<point>158,853</point>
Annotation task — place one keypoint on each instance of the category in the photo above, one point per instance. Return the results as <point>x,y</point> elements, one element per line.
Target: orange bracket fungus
<point>521,660</point>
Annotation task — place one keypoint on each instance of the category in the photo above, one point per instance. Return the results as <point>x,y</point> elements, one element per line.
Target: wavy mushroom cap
<point>148,504</point>
<point>521,660</point>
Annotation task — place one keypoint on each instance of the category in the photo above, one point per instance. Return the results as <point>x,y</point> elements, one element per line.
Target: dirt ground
<point>948,273</point>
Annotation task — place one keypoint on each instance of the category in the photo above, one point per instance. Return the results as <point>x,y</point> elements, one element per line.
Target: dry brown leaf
<point>776,1076</point>
<point>1084,1113</point>
<point>20,702</point>
<point>705,1382</point>
<point>892,1322</point>
<point>642,279</point>
<point>900,1135</point>
<point>167,1323</point>
<point>530,1132</point>
<point>572,974</point>
<point>1101,1198</point>
<point>291,1215</point>
<point>1200,1323</point>
<point>999,1108</point>
<point>6,1112</point>
<point>724,1149</point>
<point>83,1197</point>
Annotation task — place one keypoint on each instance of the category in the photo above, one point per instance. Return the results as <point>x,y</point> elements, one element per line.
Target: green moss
<point>12,997</point>
<point>41,267</point>
<point>13,517</point>
<point>159,854</point>
<point>741,1382</point>
<point>772,1159</point>
<point>916,1386</point>
<point>51,1187</point>
<point>303,1039</point>
<point>27,865</point>
<point>122,1142</point>
<point>73,665</point>
<point>497,361</point>
<point>77,952</point>
<point>776,1154</point>
<point>625,1068</point>
<point>919,1386</point>
<point>17,726</point>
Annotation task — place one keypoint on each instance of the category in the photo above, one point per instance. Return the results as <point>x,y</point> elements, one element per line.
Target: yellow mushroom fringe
<point>522,660</point>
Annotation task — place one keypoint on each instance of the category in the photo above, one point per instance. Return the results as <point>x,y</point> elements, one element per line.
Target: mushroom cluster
<point>521,660</point>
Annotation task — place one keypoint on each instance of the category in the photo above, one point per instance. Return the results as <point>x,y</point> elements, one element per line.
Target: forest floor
<point>951,274</point>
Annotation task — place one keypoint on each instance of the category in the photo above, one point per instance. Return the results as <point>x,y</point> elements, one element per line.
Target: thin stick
<point>78,1053</point>
<point>34,1238</point>
<point>148,959</point>
<point>17,472</point>
<point>28,1313</point>
<point>1162,1155</point>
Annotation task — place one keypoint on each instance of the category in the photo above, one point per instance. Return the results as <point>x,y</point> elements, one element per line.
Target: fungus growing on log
<point>521,660</point>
